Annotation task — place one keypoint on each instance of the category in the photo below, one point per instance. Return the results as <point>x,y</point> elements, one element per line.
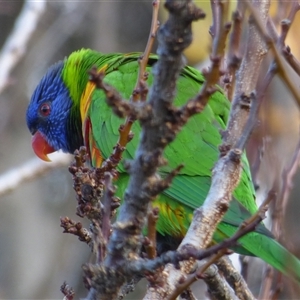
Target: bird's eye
<point>45,109</point>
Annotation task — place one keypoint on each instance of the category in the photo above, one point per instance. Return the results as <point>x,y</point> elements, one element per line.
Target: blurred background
<point>35,256</point>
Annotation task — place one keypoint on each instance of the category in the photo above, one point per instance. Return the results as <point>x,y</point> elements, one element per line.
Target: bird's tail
<point>272,253</point>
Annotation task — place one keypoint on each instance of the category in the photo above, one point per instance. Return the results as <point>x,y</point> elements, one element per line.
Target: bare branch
<point>290,58</point>
<point>15,46</point>
<point>280,43</point>
<point>285,24</point>
<point>30,170</point>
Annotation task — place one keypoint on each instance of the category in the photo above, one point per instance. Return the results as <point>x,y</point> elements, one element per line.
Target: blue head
<point>49,116</point>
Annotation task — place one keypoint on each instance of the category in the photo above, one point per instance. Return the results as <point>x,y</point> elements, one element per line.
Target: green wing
<point>197,147</point>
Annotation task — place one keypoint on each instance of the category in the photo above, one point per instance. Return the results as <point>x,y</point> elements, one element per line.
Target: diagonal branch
<point>30,170</point>
<point>15,46</point>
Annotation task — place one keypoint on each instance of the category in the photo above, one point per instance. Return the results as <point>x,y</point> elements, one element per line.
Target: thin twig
<point>278,58</point>
<point>290,58</point>
<point>151,234</point>
<point>143,60</point>
<point>280,43</point>
<point>75,228</point>
<point>140,91</point>
<point>290,19</point>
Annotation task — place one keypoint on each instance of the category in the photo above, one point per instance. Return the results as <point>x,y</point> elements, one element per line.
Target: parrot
<point>67,111</point>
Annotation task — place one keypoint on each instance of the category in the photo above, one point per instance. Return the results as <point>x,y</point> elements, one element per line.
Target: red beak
<point>41,147</point>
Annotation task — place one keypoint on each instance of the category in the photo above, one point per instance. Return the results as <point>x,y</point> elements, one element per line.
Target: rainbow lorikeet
<point>67,111</point>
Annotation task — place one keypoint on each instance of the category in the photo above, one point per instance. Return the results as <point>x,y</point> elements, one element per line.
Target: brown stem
<point>140,91</point>
<point>151,245</point>
<point>290,58</point>
<point>143,60</point>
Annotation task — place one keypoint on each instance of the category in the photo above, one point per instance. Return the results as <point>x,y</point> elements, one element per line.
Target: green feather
<point>196,146</point>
